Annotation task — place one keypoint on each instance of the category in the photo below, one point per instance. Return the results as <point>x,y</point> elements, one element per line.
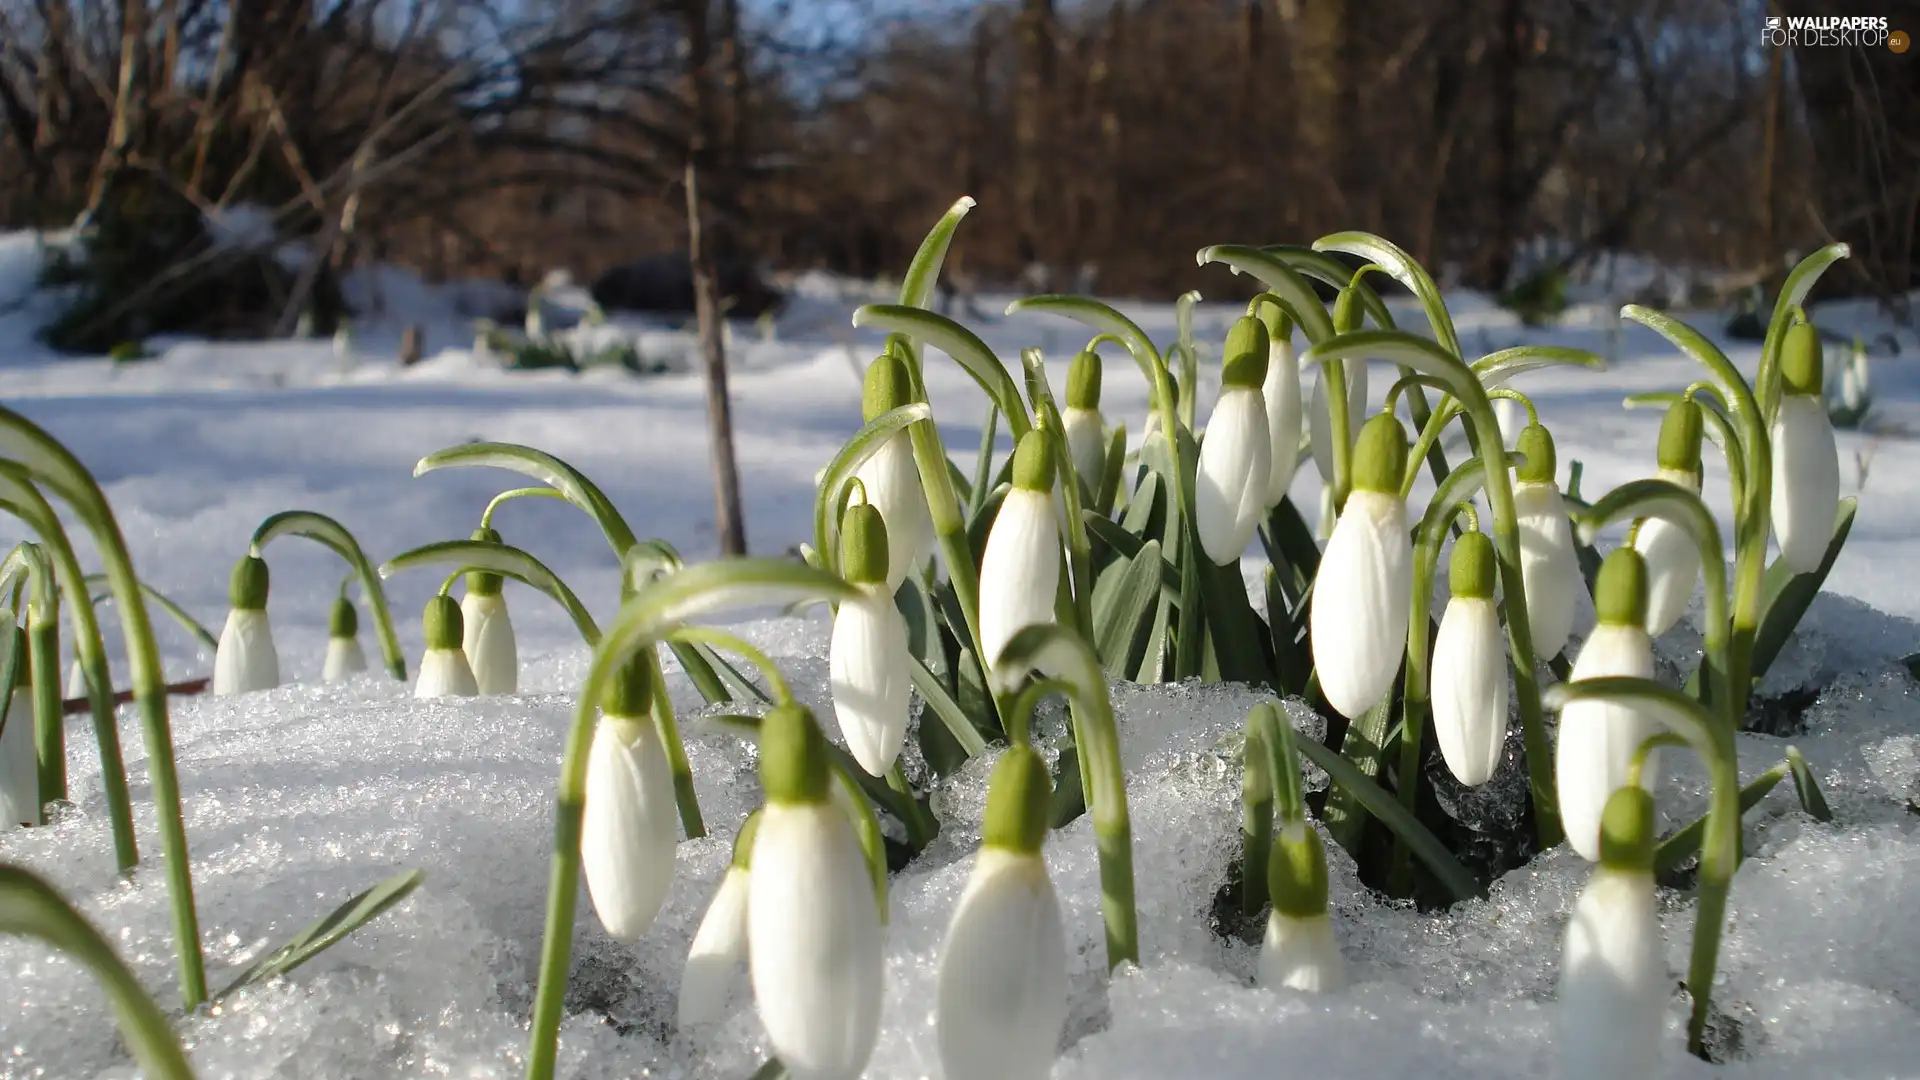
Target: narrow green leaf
<point>328,931</point>
<point>1425,846</point>
<point>946,709</point>
<point>544,467</point>
<point>924,271</point>
<point>1793,293</point>
<point>1279,278</point>
<point>1684,843</point>
<point>1785,595</point>
<point>98,588</point>
<point>1114,468</point>
<point>965,347</point>
<point>1808,788</point>
<point>1404,269</point>
<point>1330,271</point>
<point>983,467</point>
<point>505,560</point>
<point>1364,746</point>
<point>1123,603</point>
<point>1099,316</point>
<point>1496,368</point>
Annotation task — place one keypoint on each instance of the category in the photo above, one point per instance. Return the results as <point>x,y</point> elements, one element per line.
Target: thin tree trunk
<point>129,103</point>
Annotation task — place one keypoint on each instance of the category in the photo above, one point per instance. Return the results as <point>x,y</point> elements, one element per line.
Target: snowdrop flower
<point>1236,456</point>
<point>628,831</point>
<point>1299,952</point>
<point>1806,464</point>
<point>1362,596</point>
<point>1673,558</point>
<point>1020,569</point>
<point>1002,996</point>
<point>720,944</point>
<point>1549,566</point>
<point>1470,667</point>
<point>444,671</point>
<point>19,765</point>
<point>1281,392</point>
<point>1086,429</point>
<point>245,659</point>
<point>890,477</point>
<point>487,636</point>
<point>867,655</point>
<point>1854,389</point>
<point>1613,973</point>
<point>1598,739</point>
<point>814,935</point>
<point>344,656</point>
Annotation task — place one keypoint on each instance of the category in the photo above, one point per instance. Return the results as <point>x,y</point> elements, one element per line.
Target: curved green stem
<point>1020,716</point>
<point>493,505</point>
<point>1719,429</point>
<point>19,497</point>
<point>570,482</point>
<point>334,536</point>
<point>503,559</point>
<point>643,620</point>
<point>1645,751</point>
<point>1403,268</point>
<point>739,646</point>
<point>1793,292</point>
<point>50,463</point>
<point>840,472</point>
<point>1533,417</point>
<point>97,585</point>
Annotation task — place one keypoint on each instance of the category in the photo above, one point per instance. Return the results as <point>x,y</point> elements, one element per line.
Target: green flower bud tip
<point>483,582</point>
<point>442,623</point>
<point>1626,831</point>
<point>1380,458</point>
<point>1470,569</point>
<point>863,545</point>
<point>1347,311</point>
<point>1019,802</point>
<point>1802,367</point>
<point>1033,463</point>
<point>887,386</point>
<point>630,693</point>
<point>743,841</point>
<point>1536,443</point>
<point>1680,434</point>
<point>1297,872</point>
<point>1274,318</point>
<point>1620,589</point>
<point>794,766</point>
<point>1083,381</point>
<point>247,588</point>
<point>1244,364</point>
<point>344,622</point>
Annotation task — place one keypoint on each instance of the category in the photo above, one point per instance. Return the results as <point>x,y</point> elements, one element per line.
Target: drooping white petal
<point>1549,566</point>
<point>1361,599</point>
<point>1281,392</point>
<point>1230,484</point>
<point>445,673</point>
<point>1020,570</point>
<point>345,659</point>
<point>627,836</point>
<point>1086,445</point>
<point>1470,689</point>
<point>1613,980</point>
<point>245,660</point>
<point>814,944</point>
<point>1598,738</point>
<point>487,639</point>
<point>1301,954</point>
<point>1673,571</point>
<point>1320,418</point>
<point>1002,996</point>
<point>868,671</point>
<point>719,951</point>
<point>1806,481</point>
<point>892,482</point>
<point>19,768</point>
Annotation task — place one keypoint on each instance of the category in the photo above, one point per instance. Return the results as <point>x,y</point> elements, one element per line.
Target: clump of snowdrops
<point>1072,562</point>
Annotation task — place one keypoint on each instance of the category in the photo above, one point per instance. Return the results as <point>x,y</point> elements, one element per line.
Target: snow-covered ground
<point>298,797</point>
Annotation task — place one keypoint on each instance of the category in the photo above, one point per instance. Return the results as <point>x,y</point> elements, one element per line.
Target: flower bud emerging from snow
<point>1236,455</point>
<point>1598,739</point>
<point>629,829</point>
<point>19,765</point>
<point>1549,566</point>
<point>720,945</point>
<point>1470,667</point>
<point>1020,569</point>
<point>1299,951</point>
<point>1281,392</point>
<point>1673,557</point>
<point>813,927</point>
<point>487,634</point>
<point>245,659</point>
<point>444,671</point>
<point>1086,429</point>
<point>1806,463</point>
<point>1364,590</point>
<point>867,656</point>
<point>344,656</point>
<point>1002,996</point>
<point>890,477</point>
<point>1613,974</point>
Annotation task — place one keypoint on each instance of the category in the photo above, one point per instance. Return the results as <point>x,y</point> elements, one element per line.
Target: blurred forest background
<point>1106,140</point>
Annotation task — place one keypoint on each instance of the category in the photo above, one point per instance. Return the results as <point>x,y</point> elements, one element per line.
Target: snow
<point>302,796</point>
